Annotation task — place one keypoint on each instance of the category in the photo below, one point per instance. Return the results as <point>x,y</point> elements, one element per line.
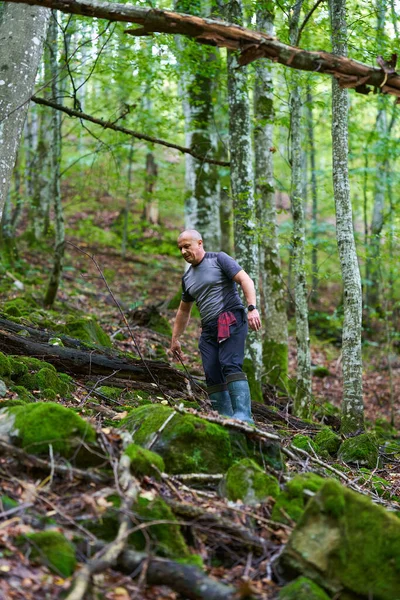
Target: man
<point>211,282</point>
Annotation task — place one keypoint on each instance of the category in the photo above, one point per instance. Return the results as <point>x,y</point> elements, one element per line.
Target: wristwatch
<point>251,307</point>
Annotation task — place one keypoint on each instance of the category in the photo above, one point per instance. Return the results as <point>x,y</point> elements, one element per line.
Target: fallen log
<point>80,361</point>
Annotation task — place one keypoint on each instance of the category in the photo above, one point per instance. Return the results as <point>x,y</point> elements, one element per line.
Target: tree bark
<point>22,33</point>
<point>275,334</point>
<point>302,400</point>
<point>314,194</point>
<point>253,44</point>
<point>242,184</point>
<point>352,404</point>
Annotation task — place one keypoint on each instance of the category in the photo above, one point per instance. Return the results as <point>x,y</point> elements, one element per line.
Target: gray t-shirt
<point>210,285</point>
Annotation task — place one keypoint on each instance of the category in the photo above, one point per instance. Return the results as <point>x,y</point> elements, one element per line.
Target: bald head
<point>191,246</point>
<point>191,234</point>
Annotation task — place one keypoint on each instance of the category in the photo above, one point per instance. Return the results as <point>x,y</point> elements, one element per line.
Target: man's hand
<point>176,350</point>
<point>254,320</point>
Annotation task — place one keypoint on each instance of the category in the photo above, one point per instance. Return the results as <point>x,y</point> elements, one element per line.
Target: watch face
<point>251,307</point>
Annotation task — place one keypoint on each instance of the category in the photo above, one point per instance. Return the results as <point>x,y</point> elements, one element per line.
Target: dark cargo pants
<point>223,361</point>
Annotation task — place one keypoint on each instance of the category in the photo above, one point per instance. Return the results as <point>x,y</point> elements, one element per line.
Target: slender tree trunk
<point>127,203</point>
<point>55,277</point>
<point>22,33</point>
<point>352,404</point>
<point>302,400</point>
<point>202,204</point>
<point>373,295</point>
<point>275,334</point>
<point>314,194</point>
<point>150,212</point>
<point>242,183</point>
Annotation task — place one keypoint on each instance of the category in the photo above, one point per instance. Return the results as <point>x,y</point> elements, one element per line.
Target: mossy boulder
<point>142,461</point>
<point>304,442</point>
<point>248,482</point>
<point>380,485</point>
<point>35,426</point>
<point>327,442</point>
<point>345,542</point>
<point>187,444</point>
<point>18,307</point>
<point>302,588</point>
<point>23,394</point>
<point>5,365</point>
<point>52,549</point>
<point>362,450</point>
<point>40,376</point>
<point>291,502</point>
<point>88,330</point>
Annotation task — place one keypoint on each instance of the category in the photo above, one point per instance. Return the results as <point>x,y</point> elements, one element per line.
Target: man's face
<point>191,250</point>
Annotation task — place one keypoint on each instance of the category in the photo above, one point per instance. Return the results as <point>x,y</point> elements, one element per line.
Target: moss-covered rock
<point>384,430</point>
<point>113,393</point>
<point>380,485</point>
<point>88,330</point>
<point>248,482</point>
<point>291,502</point>
<point>35,426</point>
<point>327,442</point>
<point>187,444</point>
<point>321,372</point>
<point>52,549</point>
<point>304,442</point>
<point>18,307</point>
<point>302,588</point>
<point>5,365</point>
<point>23,394</point>
<point>47,381</point>
<point>142,461</point>
<point>345,542</point>
<point>362,449</point>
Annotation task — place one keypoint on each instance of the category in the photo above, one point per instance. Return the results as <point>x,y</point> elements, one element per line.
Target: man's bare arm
<point>249,292</point>
<point>180,324</point>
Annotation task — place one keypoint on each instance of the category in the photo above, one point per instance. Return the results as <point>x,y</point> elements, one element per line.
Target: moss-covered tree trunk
<point>302,398</point>
<point>275,334</point>
<point>58,259</point>
<point>242,184</point>
<point>352,404</point>
<point>202,202</point>
<point>314,193</point>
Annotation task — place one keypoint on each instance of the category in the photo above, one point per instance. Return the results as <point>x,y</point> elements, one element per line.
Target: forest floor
<point>143,279</point>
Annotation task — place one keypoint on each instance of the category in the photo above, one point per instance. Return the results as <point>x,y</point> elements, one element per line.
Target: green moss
<point>142,461</point>
<point>5,365</point>
<point>88,330</point>
<point>187,444</point>
<point>362,449</point>
<point>265,453</point>
<point>11,402</point>
<point>254,384</point>
<point>380,485</point>
<point>327,441</point>
<point>23,393</point>
<point>246,481</point>
<point>111,392</point>
<point>302,588</point>
<point>18,307</point>
<point>321,372</point>
<point>304,442</point>
<point>275,362</point>
<point>291,502</point>
<point>47,381</point>
<point>7,503</point>
<point>42,423</point>
<point>54,550</point>
<point>384,430</point>
<point>24,364</point>
<point>159,323</point>
<point>346,541</point>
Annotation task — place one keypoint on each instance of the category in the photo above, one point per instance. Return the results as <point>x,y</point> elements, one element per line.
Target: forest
<point>272,129</point>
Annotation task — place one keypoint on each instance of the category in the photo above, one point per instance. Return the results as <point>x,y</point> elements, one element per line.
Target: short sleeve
<point>229,266</point>
<point>186,297</point>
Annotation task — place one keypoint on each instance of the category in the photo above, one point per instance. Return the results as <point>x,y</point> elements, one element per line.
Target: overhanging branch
<point>141,136</point>
<point>251,44</point>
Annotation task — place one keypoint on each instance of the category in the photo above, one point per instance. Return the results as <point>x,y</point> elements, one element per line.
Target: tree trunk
<point>314,195</point>
<point>302,400</point>
<point>275,334</point>
<point>352,404</point>
<point>150,212</point>
<point>202,200</point>
<point>55,277</point>
<point>22,33</point>
<point>242,184</point>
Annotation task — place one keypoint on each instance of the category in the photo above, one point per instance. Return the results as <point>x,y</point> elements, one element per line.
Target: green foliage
<point>52,549</point>
<point>5,365</point>
<point>327,441</point>
<point>291,502</point>
<point>246,481</point>
<point>88,330</point>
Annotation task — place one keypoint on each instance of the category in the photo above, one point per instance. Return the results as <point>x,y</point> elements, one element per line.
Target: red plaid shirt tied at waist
<point>225,319</point>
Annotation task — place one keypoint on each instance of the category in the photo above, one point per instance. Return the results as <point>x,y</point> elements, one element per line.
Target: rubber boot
<point>221,401</point>
<point>239,392</point>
